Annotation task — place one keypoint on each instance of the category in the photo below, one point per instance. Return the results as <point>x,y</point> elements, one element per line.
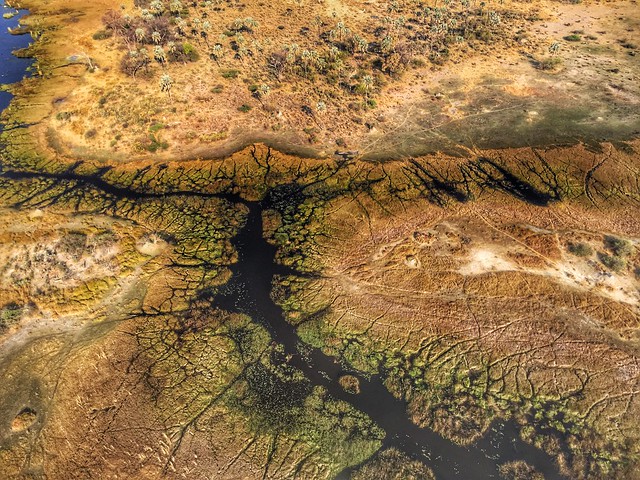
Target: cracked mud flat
<point>268,316</point>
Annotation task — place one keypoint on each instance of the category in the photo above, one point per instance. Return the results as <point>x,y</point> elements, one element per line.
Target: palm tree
<point>140,34</point>
<point>250,23</point>
<point>339,32</point>
<point>181,25</point>
<point>360,44</point>
<point>387,44</point>
<point>366,83</point>
<point>159,55</point>
<point>175,6</point>
<point>216,53</point>
<point>146,14</point>
<point>204,31</point>
<point>157,7</point>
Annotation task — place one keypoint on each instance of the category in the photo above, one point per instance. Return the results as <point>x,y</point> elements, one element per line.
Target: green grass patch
<point>229,73</point>
<point>156,127</point>
<point>155,144</point>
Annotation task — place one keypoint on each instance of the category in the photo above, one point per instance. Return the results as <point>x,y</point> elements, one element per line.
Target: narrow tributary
<point>248,292</point>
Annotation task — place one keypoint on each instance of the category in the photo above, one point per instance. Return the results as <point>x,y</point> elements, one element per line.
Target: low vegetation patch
<point>580,249</point>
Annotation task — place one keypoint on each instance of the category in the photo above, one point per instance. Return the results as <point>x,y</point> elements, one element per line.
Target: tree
<point>159,55</point>
<point>166,83</point>
<point>140,34</point>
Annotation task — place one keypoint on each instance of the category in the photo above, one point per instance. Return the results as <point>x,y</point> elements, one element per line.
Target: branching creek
<point>249,292</point>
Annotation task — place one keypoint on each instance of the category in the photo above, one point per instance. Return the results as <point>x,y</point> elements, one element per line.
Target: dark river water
<point>248,292</point>
<point>12,69</point>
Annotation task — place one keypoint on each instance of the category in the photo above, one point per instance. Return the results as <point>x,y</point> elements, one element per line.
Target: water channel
<point>248,292</point>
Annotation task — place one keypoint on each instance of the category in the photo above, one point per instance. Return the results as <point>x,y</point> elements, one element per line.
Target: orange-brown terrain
<point>180,298</point>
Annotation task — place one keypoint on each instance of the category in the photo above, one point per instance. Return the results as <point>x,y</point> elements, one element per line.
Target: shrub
<point>550,63</point>
<point>229,73</point>
<point>244,108</point>
<point>619,246</point>
<point>190,52</point>
<point>573,38</point>
<point>113,20</point>
<point>134,62</point>
<point>612,262</point>
<point>63,116</point>
<point>103,34</point>
<point>350,384</point>
<point>155,127</point>
<point>9,315</point>
<point>153,144</point>
<point>580,249</point>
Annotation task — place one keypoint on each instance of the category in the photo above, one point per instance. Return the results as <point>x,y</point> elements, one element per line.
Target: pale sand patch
<point>483,260</point>
<point>151,246</point>
<point>579,275</point>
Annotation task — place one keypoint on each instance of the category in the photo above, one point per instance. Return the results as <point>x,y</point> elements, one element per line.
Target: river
<point>12,69</point>
<point>248,292</point>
